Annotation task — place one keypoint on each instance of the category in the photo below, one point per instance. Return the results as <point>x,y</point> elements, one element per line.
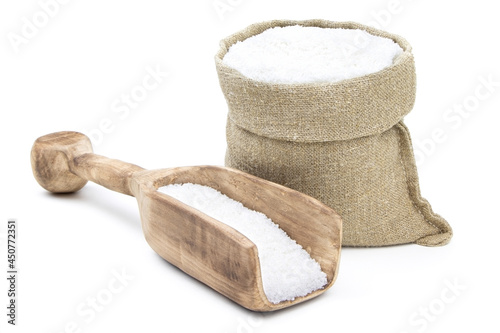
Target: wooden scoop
<point>201,246</point>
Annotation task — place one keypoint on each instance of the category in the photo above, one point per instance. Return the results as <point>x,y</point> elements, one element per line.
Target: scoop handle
<point>63,162</point>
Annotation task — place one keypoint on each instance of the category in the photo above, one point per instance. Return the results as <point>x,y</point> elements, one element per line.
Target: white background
<point>67,77</point>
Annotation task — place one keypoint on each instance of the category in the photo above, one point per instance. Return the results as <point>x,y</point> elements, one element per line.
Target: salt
<point>287,270</point>
<point>297,54</point>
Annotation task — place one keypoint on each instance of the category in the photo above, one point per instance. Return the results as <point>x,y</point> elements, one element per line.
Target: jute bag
<point>343,143</point>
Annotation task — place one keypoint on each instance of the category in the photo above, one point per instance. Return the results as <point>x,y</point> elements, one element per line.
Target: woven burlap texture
<point>343,143</point>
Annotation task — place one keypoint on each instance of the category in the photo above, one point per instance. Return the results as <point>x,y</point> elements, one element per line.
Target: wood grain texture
<point>210,251</point>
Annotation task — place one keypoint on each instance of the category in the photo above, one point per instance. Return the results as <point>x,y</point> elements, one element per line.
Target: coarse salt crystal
<point>297,54</point>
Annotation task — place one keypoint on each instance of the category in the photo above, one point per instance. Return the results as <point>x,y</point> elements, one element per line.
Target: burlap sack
<point>343,143</point>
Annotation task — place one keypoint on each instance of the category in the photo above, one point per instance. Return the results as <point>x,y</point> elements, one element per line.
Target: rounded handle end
<point>51,156</point>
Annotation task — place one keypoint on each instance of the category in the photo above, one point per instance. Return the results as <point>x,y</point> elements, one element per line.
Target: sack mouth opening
<point>258,28</point>
<point>319,112</point>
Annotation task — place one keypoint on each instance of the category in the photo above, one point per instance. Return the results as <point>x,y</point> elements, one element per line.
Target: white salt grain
<point>287,269</point>
<point>297,54</point>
